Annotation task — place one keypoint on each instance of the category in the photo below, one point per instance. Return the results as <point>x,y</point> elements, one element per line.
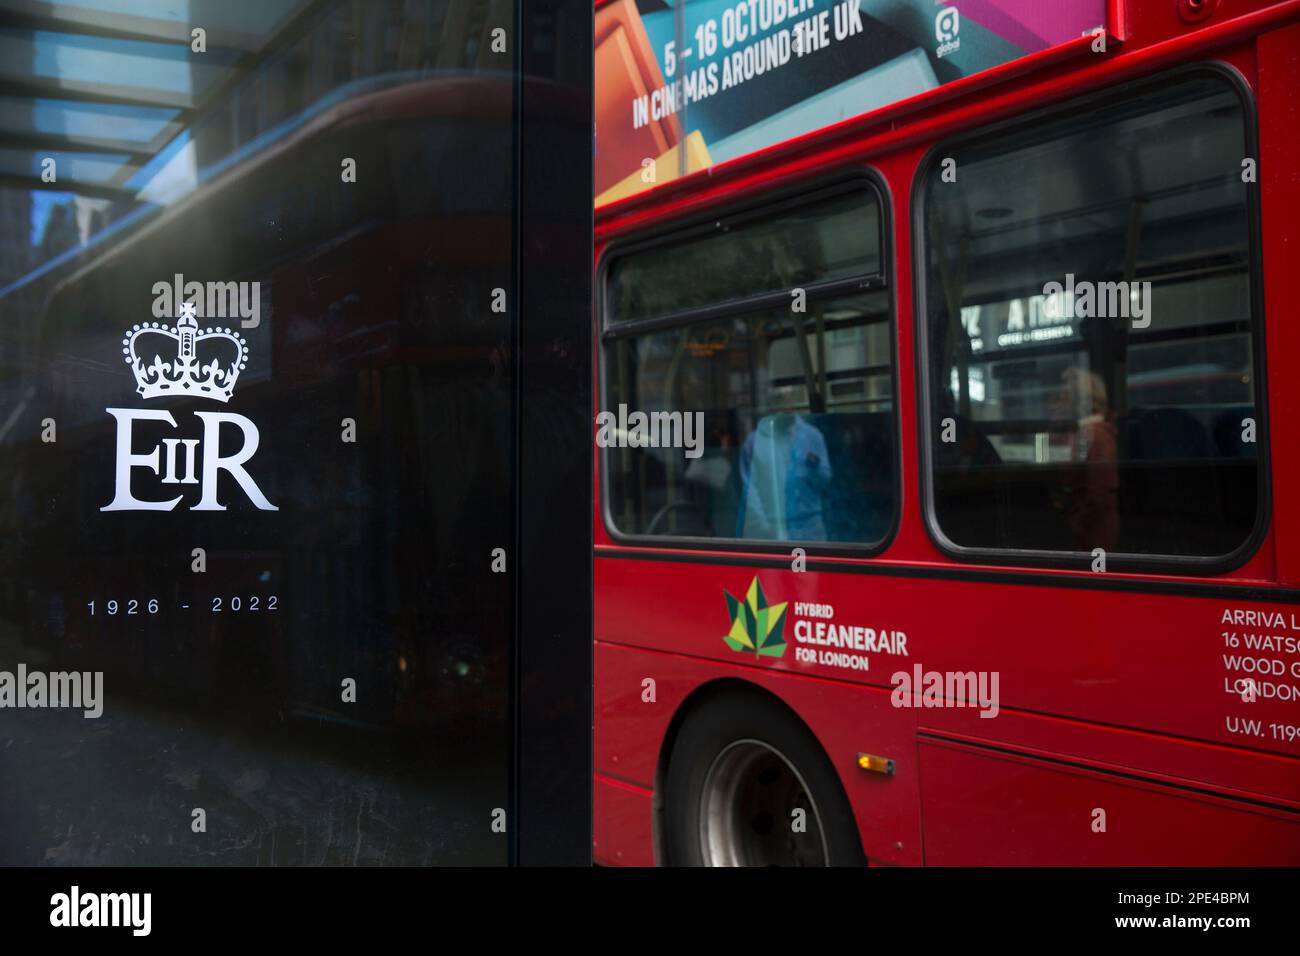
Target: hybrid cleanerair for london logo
<point>184,361</point>
<point>756,626</point>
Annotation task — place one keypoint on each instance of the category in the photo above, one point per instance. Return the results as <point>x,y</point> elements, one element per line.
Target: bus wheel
<point>741,770</point>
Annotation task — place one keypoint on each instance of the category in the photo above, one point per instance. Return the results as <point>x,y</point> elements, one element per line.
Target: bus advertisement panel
<point>685,85</point>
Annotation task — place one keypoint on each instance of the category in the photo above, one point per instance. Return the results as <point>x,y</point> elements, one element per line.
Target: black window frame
<point>727,214</point>
<point>1078,560</point>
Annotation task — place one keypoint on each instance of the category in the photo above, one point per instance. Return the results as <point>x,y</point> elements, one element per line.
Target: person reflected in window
<point>785,471</point>
<point>1090,494</point>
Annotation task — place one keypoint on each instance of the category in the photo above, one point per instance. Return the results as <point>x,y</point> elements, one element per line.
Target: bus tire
<point>741,767</point>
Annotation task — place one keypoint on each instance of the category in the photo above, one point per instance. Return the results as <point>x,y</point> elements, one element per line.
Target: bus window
<point>806,244</point>
<point>792,385</point>
<point>1089,331</point>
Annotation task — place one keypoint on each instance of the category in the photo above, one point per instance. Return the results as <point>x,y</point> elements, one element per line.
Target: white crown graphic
<point>176,366</point>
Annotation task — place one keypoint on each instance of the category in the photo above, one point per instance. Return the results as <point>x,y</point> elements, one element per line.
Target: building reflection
<point>373,309</point>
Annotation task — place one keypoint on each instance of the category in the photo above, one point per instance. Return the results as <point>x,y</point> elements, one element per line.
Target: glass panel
<point>104,122</point>
<point>221,17</point>
<point>1090,332</point>
<point>821,241</point>
<point>96,168</point>
<point>376,413</point>
<point>161,73</point>
<point>349,50</point>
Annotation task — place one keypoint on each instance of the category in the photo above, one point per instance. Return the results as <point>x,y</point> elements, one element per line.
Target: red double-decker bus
<point>941,503</point>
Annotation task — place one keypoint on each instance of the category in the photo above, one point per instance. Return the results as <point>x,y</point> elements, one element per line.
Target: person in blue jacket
<point>785,472</point>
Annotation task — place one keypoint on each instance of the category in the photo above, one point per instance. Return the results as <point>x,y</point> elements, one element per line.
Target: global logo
<point>947,24</point>
<point>756,626</point>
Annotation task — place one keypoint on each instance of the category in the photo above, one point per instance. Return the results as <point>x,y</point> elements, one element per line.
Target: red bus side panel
<point>630,734</point>
<point>988,809</point>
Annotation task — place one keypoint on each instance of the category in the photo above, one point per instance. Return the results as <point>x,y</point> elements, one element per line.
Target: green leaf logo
<point>756,627</point>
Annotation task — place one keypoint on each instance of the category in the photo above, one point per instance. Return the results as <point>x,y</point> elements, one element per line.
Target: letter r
<point>213,462</point>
